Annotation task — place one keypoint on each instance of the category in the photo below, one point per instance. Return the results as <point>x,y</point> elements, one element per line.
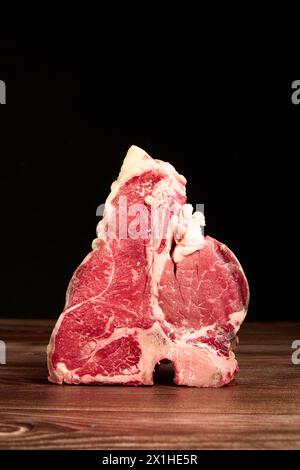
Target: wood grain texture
<point>260,410</point>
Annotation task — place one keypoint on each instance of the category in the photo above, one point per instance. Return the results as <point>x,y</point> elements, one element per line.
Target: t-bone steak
<point>152,289</point>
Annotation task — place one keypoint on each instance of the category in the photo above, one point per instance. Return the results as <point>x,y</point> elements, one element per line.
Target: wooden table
<point>261,410</point>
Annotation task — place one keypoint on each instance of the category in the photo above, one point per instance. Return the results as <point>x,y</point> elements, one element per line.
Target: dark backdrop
<point>209,91</point>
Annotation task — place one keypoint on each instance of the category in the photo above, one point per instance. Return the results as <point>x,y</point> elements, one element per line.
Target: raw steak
<point>152,289</point>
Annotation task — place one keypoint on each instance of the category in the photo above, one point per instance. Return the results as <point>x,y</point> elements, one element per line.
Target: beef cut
<point>153,288</point>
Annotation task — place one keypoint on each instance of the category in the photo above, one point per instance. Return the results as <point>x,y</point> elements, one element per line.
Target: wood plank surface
<point>260,410</point>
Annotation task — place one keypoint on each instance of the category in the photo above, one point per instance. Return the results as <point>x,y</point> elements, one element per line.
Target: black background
<point>208,90</point>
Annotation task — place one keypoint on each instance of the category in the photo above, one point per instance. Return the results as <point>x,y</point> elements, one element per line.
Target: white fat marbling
<point>187,233</point>
<point>237,318</point>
